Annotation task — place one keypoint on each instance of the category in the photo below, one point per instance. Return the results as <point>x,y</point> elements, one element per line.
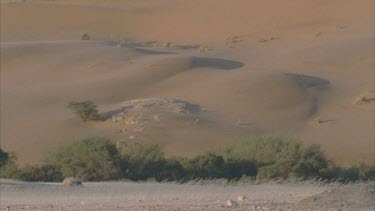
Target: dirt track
<point>170,196</point>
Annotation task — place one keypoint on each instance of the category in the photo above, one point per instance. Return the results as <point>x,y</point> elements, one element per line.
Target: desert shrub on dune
<point>85,36</point>
<point>8,167</point>
<point>142,161</point>
<point>5,158</point>
<point>89,159</point>
<point>43,173</point>
<point>204,166</point>
<point>86,110</point>
<point>235,169</point>
<point>278,157</point>
<point>98,159</point>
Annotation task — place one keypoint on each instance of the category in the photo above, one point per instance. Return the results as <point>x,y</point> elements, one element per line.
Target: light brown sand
<point>272,67</point>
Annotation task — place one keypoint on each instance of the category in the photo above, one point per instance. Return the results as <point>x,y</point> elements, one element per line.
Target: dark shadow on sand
<point>307,81</point>
<point>222,64</point>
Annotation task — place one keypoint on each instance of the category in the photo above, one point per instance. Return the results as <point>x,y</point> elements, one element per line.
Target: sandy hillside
<point>189,76</point>
<point>169,196</point>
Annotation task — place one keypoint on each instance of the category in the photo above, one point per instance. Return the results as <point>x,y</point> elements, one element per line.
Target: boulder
<point>72,181</point>
<point>231,203</point>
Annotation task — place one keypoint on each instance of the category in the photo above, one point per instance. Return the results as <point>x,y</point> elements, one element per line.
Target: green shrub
<point>94,159</point>
<point>89,159</point>
<point>10,171</point>
<point>204,166</point>
<point>264,151</point>
<point>43,173</point>
<point>5,158</point>
<point>366,172</point>
<point>277,157</point>
<point>142,161</point>
<point>85,36</point>
<point>86,110</point>
<point>235,169</point>
<point>312,163</point>
<point>173,170</point>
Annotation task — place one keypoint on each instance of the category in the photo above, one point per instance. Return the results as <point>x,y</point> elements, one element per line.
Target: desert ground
<point>189,76</point>
<point>195,196</point>
<point>230,68</point>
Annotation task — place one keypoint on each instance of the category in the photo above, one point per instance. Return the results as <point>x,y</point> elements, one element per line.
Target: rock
<point>241,198</point>
<point>231,203</point>
<point>72,181</point>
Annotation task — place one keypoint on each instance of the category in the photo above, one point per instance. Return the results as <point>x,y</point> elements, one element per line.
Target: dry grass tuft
<point>363,99</point>
<point>85,36</point>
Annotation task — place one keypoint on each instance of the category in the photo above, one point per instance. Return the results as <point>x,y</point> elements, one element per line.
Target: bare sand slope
<point>171,196</point>
<point>276,68</point>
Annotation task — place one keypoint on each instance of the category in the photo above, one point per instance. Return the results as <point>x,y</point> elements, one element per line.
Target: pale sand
<point>17,195</point>
<point>271,68</point>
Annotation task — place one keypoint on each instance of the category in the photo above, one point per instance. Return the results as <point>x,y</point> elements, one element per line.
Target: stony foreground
<point>17,195</point>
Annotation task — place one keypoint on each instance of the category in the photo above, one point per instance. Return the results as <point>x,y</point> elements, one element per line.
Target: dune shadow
<point>193,108</point>
<point>307,81</point>
<point>141,48</point>
<point>187,47</point>
<point>222,64</point>
<point>108,115</point>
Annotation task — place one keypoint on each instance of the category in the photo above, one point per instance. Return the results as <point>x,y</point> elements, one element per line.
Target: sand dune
<point>255,68</point>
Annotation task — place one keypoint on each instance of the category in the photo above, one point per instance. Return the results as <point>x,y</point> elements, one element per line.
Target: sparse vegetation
<point>86,110</point>
<point>265,158</point>
<point>319,120</point>
<point>117,39</point>
<point>263,40</point>
<point>363,99</point>
<point>85,36</point>
<point>204,48</point>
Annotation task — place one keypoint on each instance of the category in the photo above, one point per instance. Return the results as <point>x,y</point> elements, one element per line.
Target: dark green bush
<point>44,173</point>
<point>264,151</point>
<point>10,171</point>
<point>86,110</point>
<point>5,158</point>
<point>235,169</point>
<point>172,170</point>
<point>277,157</point>
<point>94,159</point>
<point>142,161</point>
<point>204,166</point>
<point>88,159</point>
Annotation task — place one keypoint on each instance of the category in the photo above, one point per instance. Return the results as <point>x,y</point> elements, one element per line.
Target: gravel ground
<point>17,195</point>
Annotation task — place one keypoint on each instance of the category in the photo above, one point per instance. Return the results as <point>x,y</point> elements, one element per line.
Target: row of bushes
<point>98,159</point>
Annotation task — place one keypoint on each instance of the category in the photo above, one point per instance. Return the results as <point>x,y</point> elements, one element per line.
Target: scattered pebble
<point>241,198</point>
<point>231,203</point>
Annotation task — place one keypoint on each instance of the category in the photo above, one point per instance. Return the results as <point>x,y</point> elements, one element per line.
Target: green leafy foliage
<point>5,158</point>
<point>98,159</point>
<point>142,161</point>
<point>86,110</point>
<point>277,157</point>
<point>89,159</point>
<point>43,173</point>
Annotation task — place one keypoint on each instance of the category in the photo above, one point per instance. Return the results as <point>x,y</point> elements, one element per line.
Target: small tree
<point>90,159</point>
<point>86,110</point>
<point>6,158</point>
<point>143,161</point>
